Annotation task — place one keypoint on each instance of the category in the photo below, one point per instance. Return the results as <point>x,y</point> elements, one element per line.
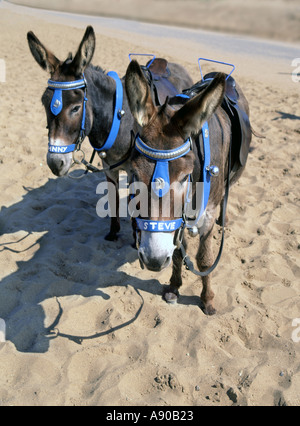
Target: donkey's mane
<point>97,68</point>
<point>69,59</point>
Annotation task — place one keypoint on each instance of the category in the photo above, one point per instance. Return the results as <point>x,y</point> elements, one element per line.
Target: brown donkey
<point>82,100</point>
<point>169,154</point>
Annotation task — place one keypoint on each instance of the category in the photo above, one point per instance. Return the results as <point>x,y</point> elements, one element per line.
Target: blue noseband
<point>159,225</point>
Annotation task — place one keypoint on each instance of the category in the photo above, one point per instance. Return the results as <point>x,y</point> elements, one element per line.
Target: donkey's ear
<point>138,93</point>
<point>43,56</point>
<point>85,52</point>
<point>191,117</point>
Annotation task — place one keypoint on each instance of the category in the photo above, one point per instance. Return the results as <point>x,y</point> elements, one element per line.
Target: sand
<point>84,324</point>
<point>273,19</point>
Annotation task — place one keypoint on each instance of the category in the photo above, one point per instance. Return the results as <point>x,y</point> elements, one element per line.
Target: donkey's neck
<point>101,94</point>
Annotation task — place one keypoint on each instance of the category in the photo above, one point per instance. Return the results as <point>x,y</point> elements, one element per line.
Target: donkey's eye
<point>75,109</point>
<point>184,179</point>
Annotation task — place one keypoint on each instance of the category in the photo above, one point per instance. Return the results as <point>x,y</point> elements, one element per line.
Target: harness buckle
<point>81,156</point>
<point>179,237</point>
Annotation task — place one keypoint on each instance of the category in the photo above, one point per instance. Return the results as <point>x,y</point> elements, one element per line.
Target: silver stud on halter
<point>159,183</point>
<point>213,170</point>
<point>121,113</point>
<point>56,103</point>
<point>193,231</point>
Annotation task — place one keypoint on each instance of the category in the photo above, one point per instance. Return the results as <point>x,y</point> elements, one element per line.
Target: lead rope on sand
<point>52,332</point>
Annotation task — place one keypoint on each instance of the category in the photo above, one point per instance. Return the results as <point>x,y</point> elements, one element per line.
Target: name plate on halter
<point>158,226</point>
<point>61,149</point>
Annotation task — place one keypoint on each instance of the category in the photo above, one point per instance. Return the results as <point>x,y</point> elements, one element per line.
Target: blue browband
<point>57,105</point>
<point>161,179</point>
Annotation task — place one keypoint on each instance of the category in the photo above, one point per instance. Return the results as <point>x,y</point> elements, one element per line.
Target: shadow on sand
<point>55,240</point>
<point>56,230</point>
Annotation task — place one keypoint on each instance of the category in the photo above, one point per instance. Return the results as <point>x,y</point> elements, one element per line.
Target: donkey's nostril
<point>56,166</point>
<point>59,163</point>
<point>156,264</point>
<point>141,257</point>
<point>167,262</point>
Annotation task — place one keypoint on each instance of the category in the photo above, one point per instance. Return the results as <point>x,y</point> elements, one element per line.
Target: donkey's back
<point>232,119</point>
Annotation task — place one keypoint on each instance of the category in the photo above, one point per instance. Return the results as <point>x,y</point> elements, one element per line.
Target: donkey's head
<point>163,160</point>
<point>64,99</point>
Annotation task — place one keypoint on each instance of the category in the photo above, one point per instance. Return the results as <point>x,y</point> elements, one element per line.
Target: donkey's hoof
<point>171,298</point>
<point>111,236</point>
<point>209,310</point>
<point>220,221</point>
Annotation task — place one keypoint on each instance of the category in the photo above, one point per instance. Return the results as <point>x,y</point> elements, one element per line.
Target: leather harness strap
<point>185,258</point>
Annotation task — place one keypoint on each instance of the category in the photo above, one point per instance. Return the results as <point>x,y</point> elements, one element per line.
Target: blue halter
<point>161,180</point>
<point>57,105</point>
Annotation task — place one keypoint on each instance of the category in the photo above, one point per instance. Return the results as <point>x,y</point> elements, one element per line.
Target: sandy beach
<point>84,324</point>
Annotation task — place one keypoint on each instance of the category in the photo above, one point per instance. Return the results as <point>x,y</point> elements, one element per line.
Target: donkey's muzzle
<point>59,164</point>
<point>154,264</point>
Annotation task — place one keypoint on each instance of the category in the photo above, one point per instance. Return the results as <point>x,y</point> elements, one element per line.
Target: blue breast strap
<point>206,167</point>
<point>117,114</point>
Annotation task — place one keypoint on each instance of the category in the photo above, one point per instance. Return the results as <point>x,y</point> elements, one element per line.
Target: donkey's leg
<point>171,293</point>
<point>115,221</point>
<point>204,261</point>
<point>134,229</point>
<point>220,219</point>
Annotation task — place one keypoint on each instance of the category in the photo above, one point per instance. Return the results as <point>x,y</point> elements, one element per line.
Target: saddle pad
<point>157,75</point>
<point>159,67</point>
